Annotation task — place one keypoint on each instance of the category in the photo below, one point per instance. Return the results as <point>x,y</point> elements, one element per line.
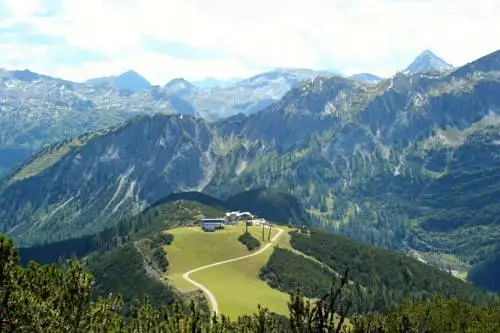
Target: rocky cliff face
<point>408,163</point>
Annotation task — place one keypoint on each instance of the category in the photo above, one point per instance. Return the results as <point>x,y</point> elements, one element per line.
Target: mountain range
<point>38,110</point>
<point>410,163</point>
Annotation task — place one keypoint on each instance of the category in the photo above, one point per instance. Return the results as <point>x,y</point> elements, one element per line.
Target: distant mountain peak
<point>180,86</point>
<point>180,81</point>
<point>130,72</point>
<point>129,80</point>
<point>427,61</point>
<point>25,75</point>
<point>428,52</point>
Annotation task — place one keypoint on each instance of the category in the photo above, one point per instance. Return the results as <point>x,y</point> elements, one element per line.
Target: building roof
<point>238,213</point>
<point>216,220</point>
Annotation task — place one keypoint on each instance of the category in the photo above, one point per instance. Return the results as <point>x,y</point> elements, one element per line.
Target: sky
<point>194,39</point>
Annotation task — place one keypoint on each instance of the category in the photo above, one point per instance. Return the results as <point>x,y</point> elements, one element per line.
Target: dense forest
<point>380,279</point>
<point>121,271</point>
<point>50,298</point>
<point>288,271</point>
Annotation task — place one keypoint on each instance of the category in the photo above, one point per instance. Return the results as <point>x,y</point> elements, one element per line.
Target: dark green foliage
<point>122,271</point>
<point>129,258</point>
<point>389,278</point>
<point>486,274</point>
<point>160,259</point>
<point>49,298</point>
<point>272,204</point>
<point>438,315</point>
<point>287,272</point>
<point>53,252</point>
<point>249,241</point>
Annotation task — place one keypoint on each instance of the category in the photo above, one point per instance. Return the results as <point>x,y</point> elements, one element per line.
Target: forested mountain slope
<point>379,279</point>
<point>128,258</point>
<point>408,163</point>
<point>132,259</point>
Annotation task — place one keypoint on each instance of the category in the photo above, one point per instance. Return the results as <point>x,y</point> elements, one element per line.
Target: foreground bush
<point>56,299</point>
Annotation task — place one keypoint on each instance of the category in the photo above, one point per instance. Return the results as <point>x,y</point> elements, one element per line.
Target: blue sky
<point>164,39</point>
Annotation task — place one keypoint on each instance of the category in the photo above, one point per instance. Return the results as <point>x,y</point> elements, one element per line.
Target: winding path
<point>211,297</point>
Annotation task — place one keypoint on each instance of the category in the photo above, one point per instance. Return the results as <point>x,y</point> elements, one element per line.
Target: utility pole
<point>262,231</point>
<point>269,234</point>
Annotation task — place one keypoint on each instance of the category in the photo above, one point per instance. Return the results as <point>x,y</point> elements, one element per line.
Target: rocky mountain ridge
<point>38,110</point>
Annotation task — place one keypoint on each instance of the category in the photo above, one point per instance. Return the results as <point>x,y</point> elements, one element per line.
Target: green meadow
<point>236,285</point>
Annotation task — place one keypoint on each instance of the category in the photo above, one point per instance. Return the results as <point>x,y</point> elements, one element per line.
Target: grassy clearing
<point>193,248</point>
<point>239,290</point>
<point>236,285</point>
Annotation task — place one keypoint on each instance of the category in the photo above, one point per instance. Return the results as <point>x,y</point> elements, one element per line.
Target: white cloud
<point>33,57</point>
<point>23,8</point>
<point>379,36</point>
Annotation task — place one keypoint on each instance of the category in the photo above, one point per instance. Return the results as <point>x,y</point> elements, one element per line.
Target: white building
<point>236,216</point>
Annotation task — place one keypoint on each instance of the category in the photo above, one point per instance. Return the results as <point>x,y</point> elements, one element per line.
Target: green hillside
<point>380,279</point>
<point>236,285</point>
<point>150,222</point>
<point>130,258</point>
<point>149,253</point>
<point>133,250</point>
